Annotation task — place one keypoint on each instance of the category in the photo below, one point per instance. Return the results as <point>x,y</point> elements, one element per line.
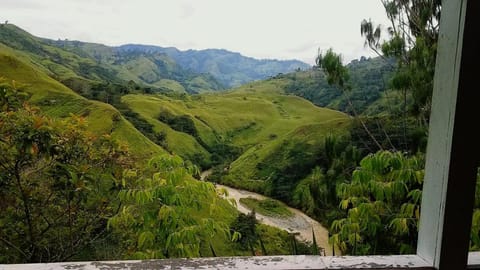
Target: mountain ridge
<point>230,68</point>
<point>196,70</point>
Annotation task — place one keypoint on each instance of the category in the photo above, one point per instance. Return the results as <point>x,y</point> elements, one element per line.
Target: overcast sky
<point>275,29</point>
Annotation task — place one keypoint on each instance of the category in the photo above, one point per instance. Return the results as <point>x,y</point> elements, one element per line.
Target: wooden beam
<point>453,144</point>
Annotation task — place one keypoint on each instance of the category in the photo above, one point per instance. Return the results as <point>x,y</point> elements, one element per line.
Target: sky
<point>264,29</point>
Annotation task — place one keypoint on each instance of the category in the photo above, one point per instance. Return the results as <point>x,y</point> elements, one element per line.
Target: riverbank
<point>299,223</point>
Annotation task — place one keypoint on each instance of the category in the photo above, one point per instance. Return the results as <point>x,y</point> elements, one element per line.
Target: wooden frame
<point>453,147</point>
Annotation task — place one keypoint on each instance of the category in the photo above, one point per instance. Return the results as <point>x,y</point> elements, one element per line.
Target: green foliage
<point>145,127</point>
<point>286,167</point>
<point>157,220</point>
<point>245,225</point>
<point>316,194</point>
<point>111,93</point>
<point>406,135</point>
<point>224,152</point>
<point>311,192</point>
<point>267,207</point>
<point>368,79</point>
<point>331,63</point>
<point>58,101</point>
<point>382,204</point>
<point>57,183</point>
<point>475,232</point>
<point>337,74</point>
<point>182,123</point>
<point>412,41</point>
<point>234,133</point>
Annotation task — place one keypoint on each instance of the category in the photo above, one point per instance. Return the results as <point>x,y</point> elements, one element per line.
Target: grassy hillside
<point>59,101</point>
<point>24,71</point>
<point>258,119</point>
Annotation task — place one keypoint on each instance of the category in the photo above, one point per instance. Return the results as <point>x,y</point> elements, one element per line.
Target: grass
<point>256,117</point>
<point>149,107</point>
<point>56,100</point>
<point>267,207</point>
<point>170,84</point>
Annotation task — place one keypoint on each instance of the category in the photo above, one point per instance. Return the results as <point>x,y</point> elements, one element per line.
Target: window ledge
<point>473,260</point>
<point>266,262</point>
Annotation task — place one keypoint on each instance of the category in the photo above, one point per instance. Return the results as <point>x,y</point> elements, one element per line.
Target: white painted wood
<point>376,262</point>
<point>441,130</point>
<point>474,260</point>
<point>251,263</point>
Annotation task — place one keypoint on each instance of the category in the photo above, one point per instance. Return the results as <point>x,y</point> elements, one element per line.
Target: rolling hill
<point>75,63</point>
<point>247,123</point>
<point>369,79</point>
<point>230,68</point>
<point>238,129</point>
<point>79,65</point>
<point>56,100</point>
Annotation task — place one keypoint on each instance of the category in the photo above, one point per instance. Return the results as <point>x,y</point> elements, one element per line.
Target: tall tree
<point>337,74</point>
<point>412,40</point>
<point>57,183</point>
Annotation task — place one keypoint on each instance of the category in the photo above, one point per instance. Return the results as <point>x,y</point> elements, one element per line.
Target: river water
<point>299,223</point>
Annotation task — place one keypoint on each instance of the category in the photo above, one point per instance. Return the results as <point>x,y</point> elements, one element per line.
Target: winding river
<point>299,223</point>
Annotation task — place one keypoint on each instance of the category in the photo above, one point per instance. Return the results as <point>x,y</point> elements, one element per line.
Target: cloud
<point>187,10</point>
<point>307,46</point>
<point>22,4</point>
<point>284,29</point>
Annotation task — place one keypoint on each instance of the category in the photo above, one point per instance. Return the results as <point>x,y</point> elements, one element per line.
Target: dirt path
<point>298,223</point>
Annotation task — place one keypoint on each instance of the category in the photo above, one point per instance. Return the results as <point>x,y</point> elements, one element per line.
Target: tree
<point>57,183</point>
<point>337,74</point>
<point>412,41</point>
<point>382,205</point>
<point>245,225</point>
<point>159,217</point>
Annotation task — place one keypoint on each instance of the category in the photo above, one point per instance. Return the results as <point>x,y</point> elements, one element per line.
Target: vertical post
<point>453,144</point>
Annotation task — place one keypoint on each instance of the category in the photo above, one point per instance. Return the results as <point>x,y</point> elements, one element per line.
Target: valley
<point>155,135</point>
<point>279,131</point>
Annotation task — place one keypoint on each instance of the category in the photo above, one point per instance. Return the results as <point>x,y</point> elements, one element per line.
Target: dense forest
<point>103,147</point>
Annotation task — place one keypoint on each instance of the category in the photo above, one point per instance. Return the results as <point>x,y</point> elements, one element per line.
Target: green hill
<point>57,100</point>
<point>369,79</point>
<point>239,129</point>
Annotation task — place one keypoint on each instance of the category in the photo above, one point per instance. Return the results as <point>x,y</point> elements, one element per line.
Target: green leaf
<point>145,239</point>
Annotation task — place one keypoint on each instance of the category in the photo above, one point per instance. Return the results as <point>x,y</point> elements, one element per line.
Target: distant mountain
<point>230,68</point>
<point>189,71</point>
<point>155,69</point>
<point>79,64</point>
